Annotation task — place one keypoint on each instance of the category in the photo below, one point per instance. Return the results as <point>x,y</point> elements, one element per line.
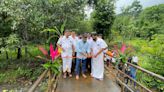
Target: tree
<point>92,2</point>
<point>126,23</point>
<point>133,10</point>
<point>103,17</point>
<point>151,21</point>
<point>27,18</point>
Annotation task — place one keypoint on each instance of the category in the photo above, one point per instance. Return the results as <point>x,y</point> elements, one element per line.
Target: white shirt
<point>98,62</point>
<point>66,44</point>
<point>97,45</point>
<point>135,59</point>
<point>75,41</point>
<point>89,40</point>
<point>79,39</point>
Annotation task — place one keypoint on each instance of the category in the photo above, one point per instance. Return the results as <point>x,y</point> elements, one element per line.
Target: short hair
<point>85,35</point>
<point>93,33</point>
<point>100,35</point>
<point>66,30</point>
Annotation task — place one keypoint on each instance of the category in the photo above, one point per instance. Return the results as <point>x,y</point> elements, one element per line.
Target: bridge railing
<point>147,72</point>
<point>128,84</point>
<point>52,79</point>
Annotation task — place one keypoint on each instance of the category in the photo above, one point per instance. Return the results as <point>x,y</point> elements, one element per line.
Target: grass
<point>19,71</point>
<point>27,69</point>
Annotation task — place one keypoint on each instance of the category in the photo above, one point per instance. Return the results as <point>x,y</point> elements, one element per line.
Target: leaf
<point>47,65</point>
<point>57,31</point>
<point>54,36</point>
<point>47,30</point>
<point>62,27</point>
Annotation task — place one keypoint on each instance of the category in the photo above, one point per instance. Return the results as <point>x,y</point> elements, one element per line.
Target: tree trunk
<point>19,54</point>
<point>7,55</point>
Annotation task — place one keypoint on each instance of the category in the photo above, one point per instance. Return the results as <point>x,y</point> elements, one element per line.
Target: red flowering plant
<point>51,59</point>
<point>123,53</point>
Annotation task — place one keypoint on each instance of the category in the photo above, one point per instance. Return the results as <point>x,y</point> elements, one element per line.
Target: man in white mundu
<point>66,44</point>
<point>97,48</point>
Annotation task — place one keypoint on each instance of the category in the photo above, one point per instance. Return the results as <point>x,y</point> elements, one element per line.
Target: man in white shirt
<point>67,46</point>
<point>74,40</point>
<point>97,48</point>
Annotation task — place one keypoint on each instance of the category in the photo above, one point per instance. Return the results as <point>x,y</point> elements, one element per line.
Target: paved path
<point>86,85</point>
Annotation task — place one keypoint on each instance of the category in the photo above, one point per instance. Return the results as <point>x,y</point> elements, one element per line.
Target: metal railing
<point>133,86</point>
<point>147,72</point>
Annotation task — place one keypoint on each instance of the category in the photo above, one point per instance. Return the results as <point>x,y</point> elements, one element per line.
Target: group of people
<point>85,52</point>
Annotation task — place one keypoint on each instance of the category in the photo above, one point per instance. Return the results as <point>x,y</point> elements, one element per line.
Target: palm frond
<point>62,27</point>
<point>48,30</point>
<point>54,36</point>
<point>57,31</point>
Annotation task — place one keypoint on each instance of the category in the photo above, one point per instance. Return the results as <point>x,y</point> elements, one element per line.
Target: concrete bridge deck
<point>87,85</point>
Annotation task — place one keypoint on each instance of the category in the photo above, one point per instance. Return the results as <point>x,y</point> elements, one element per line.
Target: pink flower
<point>52,52</point>
<point>123,48</point>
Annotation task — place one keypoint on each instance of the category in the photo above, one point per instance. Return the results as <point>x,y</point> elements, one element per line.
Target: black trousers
<point>73,63</point>
<point>88,65</point>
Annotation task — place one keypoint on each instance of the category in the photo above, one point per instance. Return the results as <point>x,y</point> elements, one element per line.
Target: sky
<point>144,3</point>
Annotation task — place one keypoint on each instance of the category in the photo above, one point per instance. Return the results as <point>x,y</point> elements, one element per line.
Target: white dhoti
<point>98,62</point>
<point>67,62</point>
<point>98,67</point>
<point>66,44</point>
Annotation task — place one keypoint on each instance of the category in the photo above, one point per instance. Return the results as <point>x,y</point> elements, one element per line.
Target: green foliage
<point>151,21</point>
<point>84,26</point>
<point>148,23</point>
<point>144,32</point>
<point>28,17</point>
<point>151,57</point>
<point>13,41</point>
<point>155,54</point>
<point>4,65</point>
<point>10,42</point>
<point>19,72</point>
<point>103,16</point>
<point>54,66</point>
<point>56,33</point>
<point>123,58</point>
<point>126,27</point>
<point>133,10</point>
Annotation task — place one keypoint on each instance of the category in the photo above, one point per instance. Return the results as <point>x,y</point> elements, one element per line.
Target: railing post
<point>49,89</point>
<point>36,83</point>
<point>123,77</point>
